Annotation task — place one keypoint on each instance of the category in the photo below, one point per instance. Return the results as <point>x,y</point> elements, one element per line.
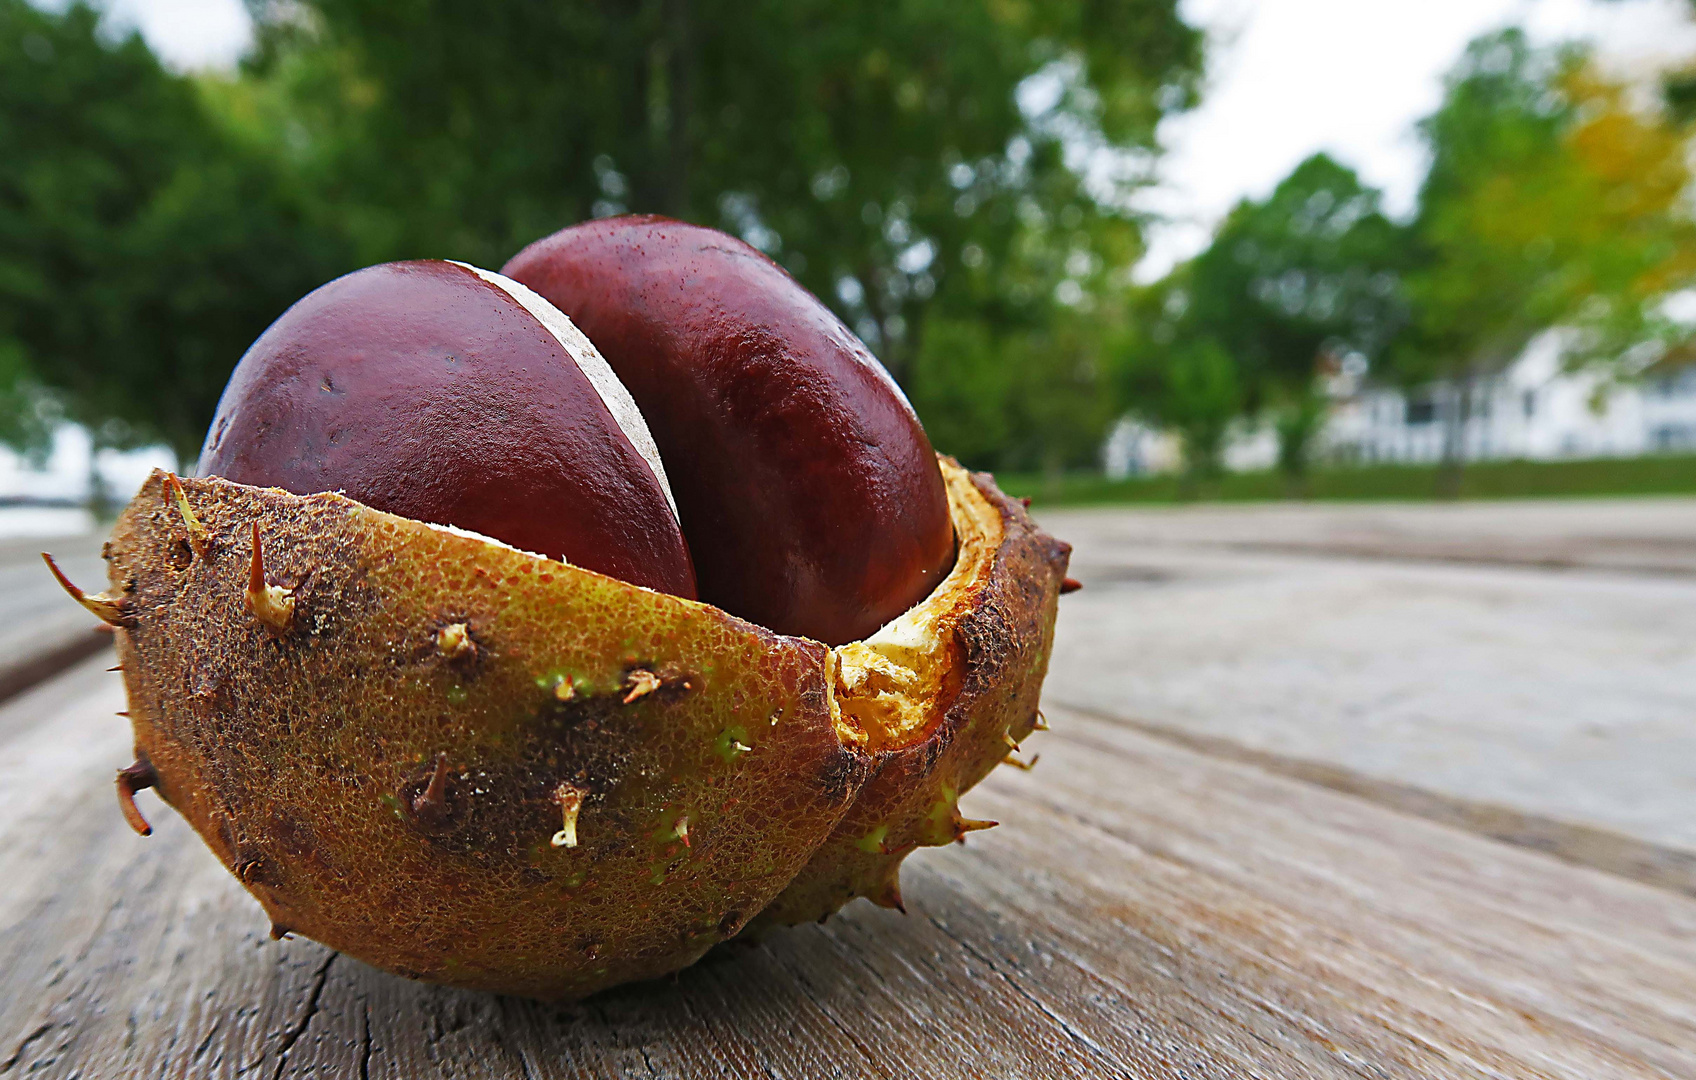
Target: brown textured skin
<point>807,488</point>
<point>1004,634</point>
<point>298,756</point>
<point>294,755</point>
<point>423,390</point>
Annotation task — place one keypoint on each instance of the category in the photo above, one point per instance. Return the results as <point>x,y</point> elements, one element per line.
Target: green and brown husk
<point>387,739</point>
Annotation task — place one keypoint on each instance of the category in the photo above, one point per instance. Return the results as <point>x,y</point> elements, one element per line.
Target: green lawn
<point>1660,475</point>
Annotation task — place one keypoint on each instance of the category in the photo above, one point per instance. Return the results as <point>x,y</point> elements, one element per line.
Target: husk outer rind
<point>1003,635</point>
<point>299,756</point>
<point>289,755</point>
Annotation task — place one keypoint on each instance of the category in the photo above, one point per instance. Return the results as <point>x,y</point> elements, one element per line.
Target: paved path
<point>1458,658</point>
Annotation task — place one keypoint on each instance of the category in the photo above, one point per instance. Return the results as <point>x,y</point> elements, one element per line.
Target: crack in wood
<point>200,1051</point>
<point>524,1064</point>
<point>800,982</point>
<point>1078,1037</point>
<point>23,1047</point>
<point>293,1035</point>
<point>17,677</point>
<point>695,1017</point>
<point>500,1032</point>
<point>365,1047</point>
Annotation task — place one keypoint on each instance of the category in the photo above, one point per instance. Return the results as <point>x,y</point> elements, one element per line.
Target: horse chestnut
<point>452,395</point>
<point>807,489</point>
<point>464,762</point>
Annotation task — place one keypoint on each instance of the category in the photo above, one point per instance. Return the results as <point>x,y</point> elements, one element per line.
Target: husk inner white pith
<point>889,689</point>
<point>614,394</point>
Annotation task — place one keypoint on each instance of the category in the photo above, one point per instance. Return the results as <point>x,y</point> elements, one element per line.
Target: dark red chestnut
<point>809,493</point>
<point>452,395</point>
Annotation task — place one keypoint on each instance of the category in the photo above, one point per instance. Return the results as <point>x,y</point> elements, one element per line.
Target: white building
<point>1534,410</point>
<point>1135,449</point>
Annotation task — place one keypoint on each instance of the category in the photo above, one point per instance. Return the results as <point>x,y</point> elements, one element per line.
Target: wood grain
<point>1584,845</point>
<point>1146,911</point>
<point>42,632</point>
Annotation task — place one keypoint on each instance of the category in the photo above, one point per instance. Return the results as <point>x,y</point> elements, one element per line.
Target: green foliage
<point>1311,272</point>
<point>1177,378</point>
<point>1293,284</point>
<point>1297,423</point>
<point>955,178</point>
<point>1482,287</point>
<point>878,150</point>
<point>1551,200</point>
<point>151,225</point>
<point>1203,394</point>
<point>1289,287</point>
<point>1036,397</point>
<point>26,412</point>
<point>1679,91</point>
<point>141,249</point>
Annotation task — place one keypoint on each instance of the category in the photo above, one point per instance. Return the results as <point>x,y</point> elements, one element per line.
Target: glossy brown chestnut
<point>807,489</point>
<point>450,395</point>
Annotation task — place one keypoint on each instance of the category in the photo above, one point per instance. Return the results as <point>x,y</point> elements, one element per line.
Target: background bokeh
<point>1188,225</point>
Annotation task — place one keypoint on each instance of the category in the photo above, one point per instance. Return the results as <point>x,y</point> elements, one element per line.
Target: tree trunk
<point>1204,447</point>
<point>100,501</point>
<point>681,61</point>
<point>665,82</point>
<point>1297,426</point>
<point>1451,469</point>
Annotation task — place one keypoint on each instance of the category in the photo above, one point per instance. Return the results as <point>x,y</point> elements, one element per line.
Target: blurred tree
<point>1203,394</point>
<point>1305,277</point>
<point>1178,378</point>
<point>964,167</point>
<point>1678,88</point>
<point>141,249</point>
<point>1552,200</point>
<point>1639,232</point>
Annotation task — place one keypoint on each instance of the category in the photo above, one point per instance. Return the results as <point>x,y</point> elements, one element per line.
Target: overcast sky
<point>1291,77</point>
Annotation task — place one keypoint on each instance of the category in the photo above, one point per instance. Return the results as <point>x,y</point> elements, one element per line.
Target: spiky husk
<point>390,742</point>
<point>1002,632</point>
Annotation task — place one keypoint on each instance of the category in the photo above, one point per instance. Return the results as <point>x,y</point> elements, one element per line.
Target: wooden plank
<point>1146,912</point>
<point>1584,845</point>
<point>41,631</point>
<point>1560,695</point>
<point>1652,535</point>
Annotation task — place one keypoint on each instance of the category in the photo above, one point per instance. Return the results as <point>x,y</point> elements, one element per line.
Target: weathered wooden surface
<point>1654,535</point>
<point>41,632</point>
<point>1145,911</point>
<point>1562,693</point>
